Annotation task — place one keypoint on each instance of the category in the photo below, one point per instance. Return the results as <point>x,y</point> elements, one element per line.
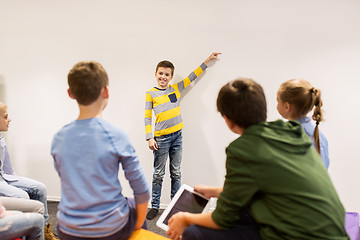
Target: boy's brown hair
<point>86,80</point>
<point>243,102</point>
<point>166,64</point>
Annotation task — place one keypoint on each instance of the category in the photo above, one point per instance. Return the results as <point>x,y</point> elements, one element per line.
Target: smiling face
<point>163,77</point>
<point>4,118</point>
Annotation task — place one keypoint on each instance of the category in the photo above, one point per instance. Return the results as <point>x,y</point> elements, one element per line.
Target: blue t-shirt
<point>87,156</point>
<point>309,127</point>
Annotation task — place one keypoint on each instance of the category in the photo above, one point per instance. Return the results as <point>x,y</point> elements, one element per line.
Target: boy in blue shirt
<point>87,155</point>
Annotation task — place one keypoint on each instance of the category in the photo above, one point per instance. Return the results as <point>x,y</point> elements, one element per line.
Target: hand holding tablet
<point>185,200</point>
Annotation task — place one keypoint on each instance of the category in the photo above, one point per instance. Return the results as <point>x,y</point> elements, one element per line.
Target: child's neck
<point>296,117</point>
<point>87,115</point>
<point>91,111</point>
<point>160,87</point>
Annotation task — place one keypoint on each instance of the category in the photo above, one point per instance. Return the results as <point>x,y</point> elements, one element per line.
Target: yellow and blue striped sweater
<point>166,105</point>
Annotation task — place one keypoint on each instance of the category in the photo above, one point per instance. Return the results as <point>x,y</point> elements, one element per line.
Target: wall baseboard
<point>53,198</point>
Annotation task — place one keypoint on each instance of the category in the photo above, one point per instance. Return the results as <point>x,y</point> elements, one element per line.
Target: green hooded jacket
<point>274,170</point>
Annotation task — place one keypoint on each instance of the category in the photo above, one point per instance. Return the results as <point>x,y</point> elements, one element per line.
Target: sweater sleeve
<point>192,76</point>
<point>148,116</point>
<point>239,188</point>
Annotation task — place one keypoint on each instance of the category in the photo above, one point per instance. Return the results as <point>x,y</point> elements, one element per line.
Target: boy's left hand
<point>213,56</point>
<point>177,225</point>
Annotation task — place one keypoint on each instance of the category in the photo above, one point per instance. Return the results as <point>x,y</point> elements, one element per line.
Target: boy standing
<point>12,185</point>
<point>276,186</point>
<point>167,138</point>
<point>87,155</point>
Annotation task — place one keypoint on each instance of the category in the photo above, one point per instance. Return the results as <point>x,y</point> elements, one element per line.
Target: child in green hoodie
<point>276,186</point>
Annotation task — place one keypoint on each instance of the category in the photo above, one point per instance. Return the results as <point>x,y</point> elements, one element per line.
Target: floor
<point>52,208</point>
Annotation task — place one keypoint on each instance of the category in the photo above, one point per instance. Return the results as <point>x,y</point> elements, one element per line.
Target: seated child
<point>12,185</point>
<point>296,98</point>
<point>88,153</point>
<point>276,186</point>
<point>15,224</point>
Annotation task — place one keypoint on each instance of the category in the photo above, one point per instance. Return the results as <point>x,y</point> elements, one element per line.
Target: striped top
<point>166,105</point>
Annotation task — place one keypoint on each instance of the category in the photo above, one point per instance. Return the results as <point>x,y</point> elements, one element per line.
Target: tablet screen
<point>187,202</point>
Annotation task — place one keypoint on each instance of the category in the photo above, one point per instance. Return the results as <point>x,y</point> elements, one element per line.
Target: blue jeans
<point>246,229</point>
<point>168,145</point>
<point>25,188</point>
<point>18,224</point>
<point>122,234</point>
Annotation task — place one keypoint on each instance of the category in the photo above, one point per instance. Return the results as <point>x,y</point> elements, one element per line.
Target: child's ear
<point>233,127</point>
<point>70,95</point>
<point>229,123</point>
<point>288,107</point>
<point>106,92</point>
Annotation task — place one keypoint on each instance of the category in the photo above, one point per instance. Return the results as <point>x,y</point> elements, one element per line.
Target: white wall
<point>269,41</point>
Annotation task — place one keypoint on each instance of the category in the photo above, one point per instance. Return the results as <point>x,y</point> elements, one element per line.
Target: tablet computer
<point>185,200</point>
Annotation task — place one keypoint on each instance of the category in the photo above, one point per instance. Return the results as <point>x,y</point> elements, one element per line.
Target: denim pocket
<point>172,97</point>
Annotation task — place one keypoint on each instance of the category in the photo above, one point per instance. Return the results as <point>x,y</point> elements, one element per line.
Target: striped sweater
<point>166,106</point>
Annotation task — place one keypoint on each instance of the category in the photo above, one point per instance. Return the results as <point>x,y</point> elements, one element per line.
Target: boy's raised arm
<point>213,56</point>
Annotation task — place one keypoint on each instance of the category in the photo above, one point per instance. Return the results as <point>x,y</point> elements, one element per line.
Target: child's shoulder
<point>91,124</point>
<point>108,126</point>
<point>112,130</point>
